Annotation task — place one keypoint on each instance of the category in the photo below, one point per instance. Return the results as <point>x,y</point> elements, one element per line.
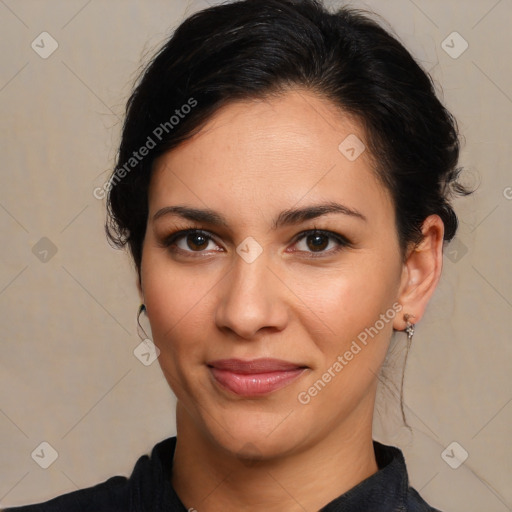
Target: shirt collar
<point>383,491</point>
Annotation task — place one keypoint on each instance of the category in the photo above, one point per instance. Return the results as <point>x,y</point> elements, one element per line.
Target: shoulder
<point>393,472</point>
<point>101,497</point>
<point>118,493</point>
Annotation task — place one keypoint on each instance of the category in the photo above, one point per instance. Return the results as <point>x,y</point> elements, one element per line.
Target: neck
<point>209,478</point>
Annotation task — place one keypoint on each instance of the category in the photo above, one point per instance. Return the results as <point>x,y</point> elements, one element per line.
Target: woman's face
<point>256,282</point>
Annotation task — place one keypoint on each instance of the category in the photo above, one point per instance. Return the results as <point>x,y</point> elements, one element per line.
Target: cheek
<point>171,301</point>
<point>356,307</point>
<point>351,298</point>
<point>350,330</point>
<point>176,300</point>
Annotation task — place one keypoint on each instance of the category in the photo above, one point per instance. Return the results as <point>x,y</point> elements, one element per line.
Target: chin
<point>256,435</point>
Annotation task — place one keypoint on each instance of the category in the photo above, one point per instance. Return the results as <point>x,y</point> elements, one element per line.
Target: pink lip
<point>254,377</point>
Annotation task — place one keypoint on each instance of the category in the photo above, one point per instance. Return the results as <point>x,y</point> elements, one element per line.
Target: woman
<point>283,186</point>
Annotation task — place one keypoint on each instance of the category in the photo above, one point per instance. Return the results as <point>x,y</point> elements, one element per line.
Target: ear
<point>421,272</point>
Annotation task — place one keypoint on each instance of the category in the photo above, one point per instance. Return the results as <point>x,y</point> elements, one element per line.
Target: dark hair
<point>256,48</point>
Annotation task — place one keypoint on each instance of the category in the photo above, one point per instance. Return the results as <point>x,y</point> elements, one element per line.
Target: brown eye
<point>190,241</point>
<point>315,242</point>
<point>197,241</point>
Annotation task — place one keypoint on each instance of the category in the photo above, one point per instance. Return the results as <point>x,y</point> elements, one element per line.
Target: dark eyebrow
<point>291,216</point>
<point>298,215</point>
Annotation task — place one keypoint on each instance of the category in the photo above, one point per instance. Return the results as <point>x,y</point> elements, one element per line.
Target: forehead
<point>255,155</point>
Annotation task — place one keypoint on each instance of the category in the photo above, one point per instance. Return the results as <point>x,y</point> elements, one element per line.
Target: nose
<point>252,300</point>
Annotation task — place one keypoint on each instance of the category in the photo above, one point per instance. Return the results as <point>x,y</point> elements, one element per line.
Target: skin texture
<point>251,161</point>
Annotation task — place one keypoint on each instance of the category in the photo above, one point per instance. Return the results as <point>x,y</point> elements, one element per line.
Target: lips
<point>254,377</point>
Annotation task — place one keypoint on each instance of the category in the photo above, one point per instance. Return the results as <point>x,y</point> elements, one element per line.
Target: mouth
<point>256,377</point>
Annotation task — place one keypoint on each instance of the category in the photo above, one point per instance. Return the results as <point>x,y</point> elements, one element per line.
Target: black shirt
<point>149,489</point>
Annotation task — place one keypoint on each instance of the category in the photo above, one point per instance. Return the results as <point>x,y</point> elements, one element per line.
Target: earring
<point>409,329</point>
<point>142,309</point>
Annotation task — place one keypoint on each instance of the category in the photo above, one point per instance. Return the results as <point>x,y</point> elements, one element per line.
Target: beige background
<point>68,373</point>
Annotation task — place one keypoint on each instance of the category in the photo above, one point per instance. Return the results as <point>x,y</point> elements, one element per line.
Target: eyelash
<point>342,241</point>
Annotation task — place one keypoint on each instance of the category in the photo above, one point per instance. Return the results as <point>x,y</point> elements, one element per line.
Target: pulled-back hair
<point>257,48</point>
